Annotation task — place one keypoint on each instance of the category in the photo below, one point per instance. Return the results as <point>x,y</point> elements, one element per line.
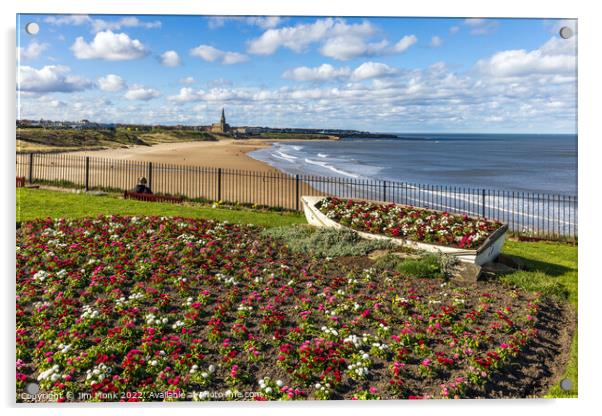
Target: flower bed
<point>409,223</point>
<point>125,308</point>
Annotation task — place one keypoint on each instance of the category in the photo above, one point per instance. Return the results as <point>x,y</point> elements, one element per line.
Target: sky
<point>373,74</point>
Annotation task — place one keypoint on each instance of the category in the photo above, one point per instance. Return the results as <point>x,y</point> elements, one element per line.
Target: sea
<point>541,163</point>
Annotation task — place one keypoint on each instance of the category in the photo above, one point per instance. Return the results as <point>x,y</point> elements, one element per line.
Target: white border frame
<point>589,159</point>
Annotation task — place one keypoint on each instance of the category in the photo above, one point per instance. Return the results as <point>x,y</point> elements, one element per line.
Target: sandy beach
<point>227,154</point>
<point>188,169</point>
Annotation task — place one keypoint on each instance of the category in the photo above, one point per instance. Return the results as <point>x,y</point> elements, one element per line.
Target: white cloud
<point>296,38</point>
<point>50,78</point>
<point>481,26</point>
<point>474,22</point>
<point>31,51</point>
<point>494,119</point>
<point>436,41</point>
<point>111,83</point>
<point>170,58</point>
<point>211,54</point>
<point>405,42</point>
<point>221,94</point>
<point>138,92</point>
<point>327,72</point>
<point>369,70</point>
<point>187,80</point>
<point>186,94</point>
<point>109,46</point>
<point>338,39</point>
<point>264,22</point>
<point>324,72</point>
<point>57,103</point>
<point>71,19</point>
<point>454,29</point>
<point>98,25</point>
<point>344,48</point>
<point>333,32</point>
<point>557,56</point>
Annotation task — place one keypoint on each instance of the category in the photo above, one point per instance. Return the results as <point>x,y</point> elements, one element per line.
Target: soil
<point>542,363</point>
<point>537,367</point>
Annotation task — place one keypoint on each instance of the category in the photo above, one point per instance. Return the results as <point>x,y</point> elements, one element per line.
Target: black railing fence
<point>539,215</point>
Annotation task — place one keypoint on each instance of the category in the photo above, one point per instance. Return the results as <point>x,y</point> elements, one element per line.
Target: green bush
<point>388,262</point>
<point>427,266</point>
<point>325,242</point>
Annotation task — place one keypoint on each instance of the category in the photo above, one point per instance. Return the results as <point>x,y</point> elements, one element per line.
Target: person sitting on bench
<point>141,188</point>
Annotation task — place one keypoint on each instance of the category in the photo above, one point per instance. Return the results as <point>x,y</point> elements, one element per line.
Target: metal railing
<point>540,215</point>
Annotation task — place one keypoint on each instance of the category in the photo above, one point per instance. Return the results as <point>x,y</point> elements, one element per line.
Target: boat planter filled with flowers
<point>471,240</point>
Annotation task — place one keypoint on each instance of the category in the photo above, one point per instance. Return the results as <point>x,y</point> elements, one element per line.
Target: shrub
<point>429,265</point>
<point>426,266</point>
<point>325,242</point>
<point>387,262</point>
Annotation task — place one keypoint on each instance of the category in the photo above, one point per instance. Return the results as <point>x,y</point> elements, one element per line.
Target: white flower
<point>40,275</point>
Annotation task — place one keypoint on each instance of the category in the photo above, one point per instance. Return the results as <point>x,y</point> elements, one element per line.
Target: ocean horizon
<point>545,163</point>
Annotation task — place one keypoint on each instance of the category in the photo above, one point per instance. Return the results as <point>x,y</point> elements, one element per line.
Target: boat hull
<point>487,252</point>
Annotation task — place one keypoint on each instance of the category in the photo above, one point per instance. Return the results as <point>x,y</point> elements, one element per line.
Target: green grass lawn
<point>38,203</point>
<point>552,267</point>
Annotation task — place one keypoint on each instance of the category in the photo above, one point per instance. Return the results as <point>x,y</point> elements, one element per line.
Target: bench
<point>152,197</point>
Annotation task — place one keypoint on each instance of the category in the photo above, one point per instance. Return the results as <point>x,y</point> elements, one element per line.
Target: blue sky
<point>376,74</point>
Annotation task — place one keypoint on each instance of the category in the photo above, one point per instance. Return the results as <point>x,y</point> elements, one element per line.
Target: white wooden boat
<point>485,253</point>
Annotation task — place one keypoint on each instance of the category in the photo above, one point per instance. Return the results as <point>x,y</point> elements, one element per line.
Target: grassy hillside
<point>53,140</point>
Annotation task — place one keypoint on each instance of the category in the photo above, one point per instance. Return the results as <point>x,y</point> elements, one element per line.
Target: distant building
<point>222,126</point>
